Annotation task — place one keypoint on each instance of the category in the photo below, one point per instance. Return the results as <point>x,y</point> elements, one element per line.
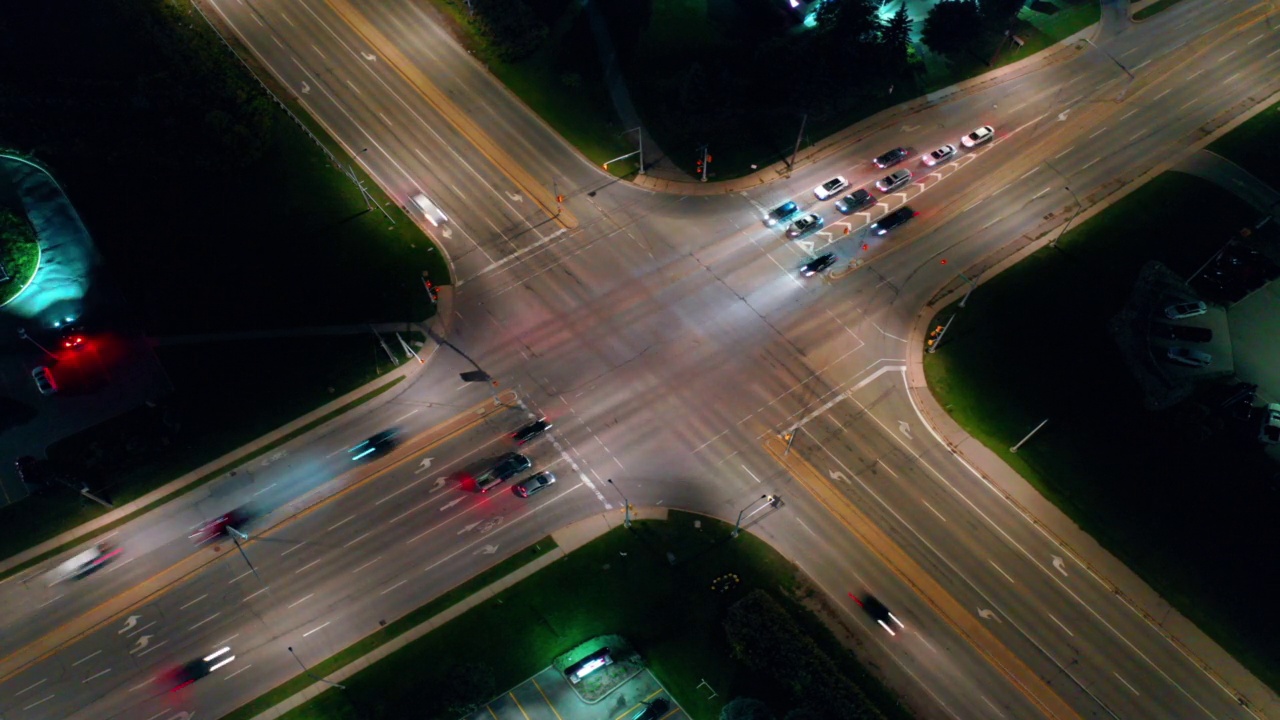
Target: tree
<point>895,36</point>
<point>952,27</point>
<point>745,708</point>
<point>802,713</point>
<point>999,12</point>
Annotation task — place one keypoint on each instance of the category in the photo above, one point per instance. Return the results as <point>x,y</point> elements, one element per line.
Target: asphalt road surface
<point>668,337</point>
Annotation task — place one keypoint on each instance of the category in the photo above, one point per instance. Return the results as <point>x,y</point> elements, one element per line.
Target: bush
<point>512,27</point>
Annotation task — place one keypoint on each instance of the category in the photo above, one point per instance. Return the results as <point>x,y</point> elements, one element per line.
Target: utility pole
<point>311,675</point>
<point>704,161</point>
<point>799,136</point>
<point>626,505</point>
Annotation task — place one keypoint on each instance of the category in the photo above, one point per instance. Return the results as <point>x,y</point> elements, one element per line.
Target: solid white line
<point>304,567</point>
<point>193,627</point>
<point>1033,171</point>
<point>193,602</point>
<point>332,527</point>
<point>1091,162</point>
<point>1097,133</point>
<point>316,630</point>
<point>246,667</point>
<point>301,601</point>
<point>30,687</point>
<point>1064,152</point>
<point>886,467</point>
<point>393,587</point>
<point>406,487</point>
<point>935,512</point>
<point>104,672</point>
<point>1126,684</point>
<point>1064,627</point>
<point>86,657</point>
<point>37,703</point>
<point>250,597</point>
<point>415,508</point>
<point>993,707</point>
<point>353,542</point>
<point>1002,572</point>
<point>753,475</point>
<point>367,564</point>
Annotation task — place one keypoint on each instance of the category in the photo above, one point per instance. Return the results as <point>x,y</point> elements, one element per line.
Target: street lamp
<point>312,675</point>
<point>626,505</point>
<point>22,333</point>
<point>1079,206</point>
<point>1113,59</point>
<point>639,131</point>
<point>737,525</point>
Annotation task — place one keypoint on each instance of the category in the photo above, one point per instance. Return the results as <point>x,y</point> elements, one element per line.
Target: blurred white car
<point>434,215</point>
<point>1181,311</point>
<point>978,136</point>
<point>941,155</point>
<point>831,187</point>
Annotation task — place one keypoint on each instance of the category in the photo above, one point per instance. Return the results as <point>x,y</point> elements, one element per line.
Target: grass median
<point>1255,145</point>
<point>1190,515</point>
<point>622,583</point>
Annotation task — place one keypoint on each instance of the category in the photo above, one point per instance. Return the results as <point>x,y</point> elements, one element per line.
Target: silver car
<point>897,179</point>
<point>804,226</point>
<point>1188,357</point>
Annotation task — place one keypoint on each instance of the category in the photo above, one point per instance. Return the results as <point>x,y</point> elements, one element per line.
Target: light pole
<point>1113,59</point>
<point>626,505</point>
<point>22,333</point>
<point>312,675</point>
<point>639,131</point>
<point>1079,206</point>
<point>737,524</point>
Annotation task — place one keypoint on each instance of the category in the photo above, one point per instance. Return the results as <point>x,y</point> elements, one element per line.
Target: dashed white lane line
<point>193,602</point>
<point>1193,75</point>
<point>1042,192</point>
<point>1166,92</point>
<point>406,487</point>
<point>304,567</point>
<point>748,471</point>
<point>886,467</point>
<point>1002,572</point>
<point>1086,167</point>
<point>250,597</point>
<point>193,627</point>
<point>264,489</point>
<point>46,602</point>
<point>1029,174</point>
<point>83,659</point>
<point>308,597</point>
<point>935,512</point>
<point>233,580</point>
<point>1097,133</point>
<point>1136,135</point>
<point>1064,627</point>
<point>1064,152</point>
<point>393,587</point>
<point>295,547</point>
<point>993,707</point>
<point>104,672</point>
<point>1255,39</point>
<point>31,687</point>
<point>412,510</point>
<point>1189,102</point>
<point>1224,57</point>
<point>1273,52</point>
<point>227,641</point>
<point>1140,66</point>
<point>246,667</point>
<point>1233,77</point>
<point>316,629</point>
<point>340,522</point>
<point>1129,113</point>
<point>38,702</point>
<point>353,542</point>
<point>153,647</point>
<point>367,564</point>
<point>1126,683</point>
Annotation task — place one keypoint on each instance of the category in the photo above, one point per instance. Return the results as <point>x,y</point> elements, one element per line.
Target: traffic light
<point>708,159</point>
<point>559,198</point>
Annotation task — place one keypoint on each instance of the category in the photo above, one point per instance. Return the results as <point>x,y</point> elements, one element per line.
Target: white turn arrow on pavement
<point>487,550</point>
<point>305,88</point>
<point>909,128</point>
<point>182,715</point>
<point>988,615</point>
<point>515,197</point>
<point>905,428</point>
<point>128,624</point>
<point>369,56</point>
<point>1062,116</point>
<point>423,465</point>
<point>141,643</point>
<point>469,528</point>
<point>1058,565</point>
<point>837,475</point>
<point>446,231</point>
<point>439,483</point>
<point>450,504</point>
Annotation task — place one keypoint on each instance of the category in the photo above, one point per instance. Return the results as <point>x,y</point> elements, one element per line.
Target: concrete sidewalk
<point>567,539</point>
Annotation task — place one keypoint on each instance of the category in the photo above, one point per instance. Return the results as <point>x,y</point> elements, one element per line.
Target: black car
<point>818,264</point>
<point>893,157</point>
<point>533,484</point>
<point>855,201</point>
<point>652,710</point>
<point>880,613</point>
<point>196,669</point>
<point>782,212</point>
<point>375,445</point>
<point>530,431</point>
<point>507,467</point>
<point>892,220</point>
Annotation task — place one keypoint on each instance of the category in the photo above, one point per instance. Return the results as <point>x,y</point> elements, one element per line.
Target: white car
<point>1181,311</point>
<point>829,188</point>
<point>978,136</point>
<point>893,181</point>
<point>1269,433</point>
<point>1188,357</point>
<point>941,155</point>
<point>435,215</point>
<point>44,380</point>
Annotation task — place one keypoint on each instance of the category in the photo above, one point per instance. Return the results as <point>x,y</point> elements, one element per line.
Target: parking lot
<point>549,696</point>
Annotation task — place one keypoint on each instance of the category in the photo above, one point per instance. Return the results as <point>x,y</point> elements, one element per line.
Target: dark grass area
<point>212,209</point>
<point>224,401</point>
<point>620,584</point>
<point>19,253</point>
<point>1255,145</point>
<point>1192,517</point>
<point>1155,7</point>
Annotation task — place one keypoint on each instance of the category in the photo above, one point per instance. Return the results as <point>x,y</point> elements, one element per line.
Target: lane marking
<point>304,567</point>
<point>31,687</point>
<point>193,627</point>
<point>1166,92</point>
<point>295,547</point>
<point>300,602</point>
<point>406,487</point>
<point>1033,171</point>
<point>340,522</point>
<point>753,475</point>
<point>1136,135</point>
<point>353,542</point>
<point>193,602</point>
<point>37,702</point>
<point>233,580</point>
<point>935,512</point>
<point>246,667</point>
<point>1233,77</point>
<point>1064,627</point>
<point>393,587</point>
<point>1002,572</point>
<point>1097,133</point>
<point>367,564</point>
<point>104,672</point>
<point>315,630</point>
<point>1086,167</point>
<point>250,597</point>
<point>1129,113</point>
<point>86,657</point>
<point>1126,683</point>
<point>1042,192</point>
<point>153,647</point>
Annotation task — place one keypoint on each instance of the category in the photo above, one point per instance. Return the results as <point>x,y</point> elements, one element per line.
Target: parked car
<point>44,380</point>
<point>892,220</point>
<point>805,226</point>
<point>1269,431</point>
<point>534,484</point>
<point>978,136</point>
<point>1180,311</point>
<point>531,431</point>
<point>940,156</point>
<point>855,201</point>
<point>782,213</point>
<point>831,187</point>
<point>1179,355</point>
<point>893,181</point>
<point>879,613</point>
<point>891,158</point>
<point>652,710</point>
<point>818,264</point>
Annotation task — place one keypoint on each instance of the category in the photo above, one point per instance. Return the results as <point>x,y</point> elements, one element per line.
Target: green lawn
<point>19,253</point>
<point>1191,516</point>
<point>1255,145</point>
<point>223,402</point>
<point>1153,8</point>
<point>620,584</point>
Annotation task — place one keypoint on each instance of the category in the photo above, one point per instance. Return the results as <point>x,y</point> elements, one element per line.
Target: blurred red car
<point>217,527</point>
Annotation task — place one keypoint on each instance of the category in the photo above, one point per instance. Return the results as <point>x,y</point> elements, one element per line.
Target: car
<point>507,467</point>
<point>894,180</point>
<point>804,226</point>
<point>222,526</point>
<point>855,201</point>
<point>941,155</point>
<point>1269,432</point>
<point>1181,311</point>
<point>891,158</point>
<point>531,431</point>
<point>978,136</point>
<point>892,220</point>
<point>73,338</point>
<point>652,710</point>
<point>782,213</point>
<point>831,187</point>
<point>44,380</point>
<point>374,445</point>
<point>818,264</point>
<point>533,484</point>
<point>202,667</point>
<point>880,613</point>
<point>1179,355</point>
<point>434,215</point>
